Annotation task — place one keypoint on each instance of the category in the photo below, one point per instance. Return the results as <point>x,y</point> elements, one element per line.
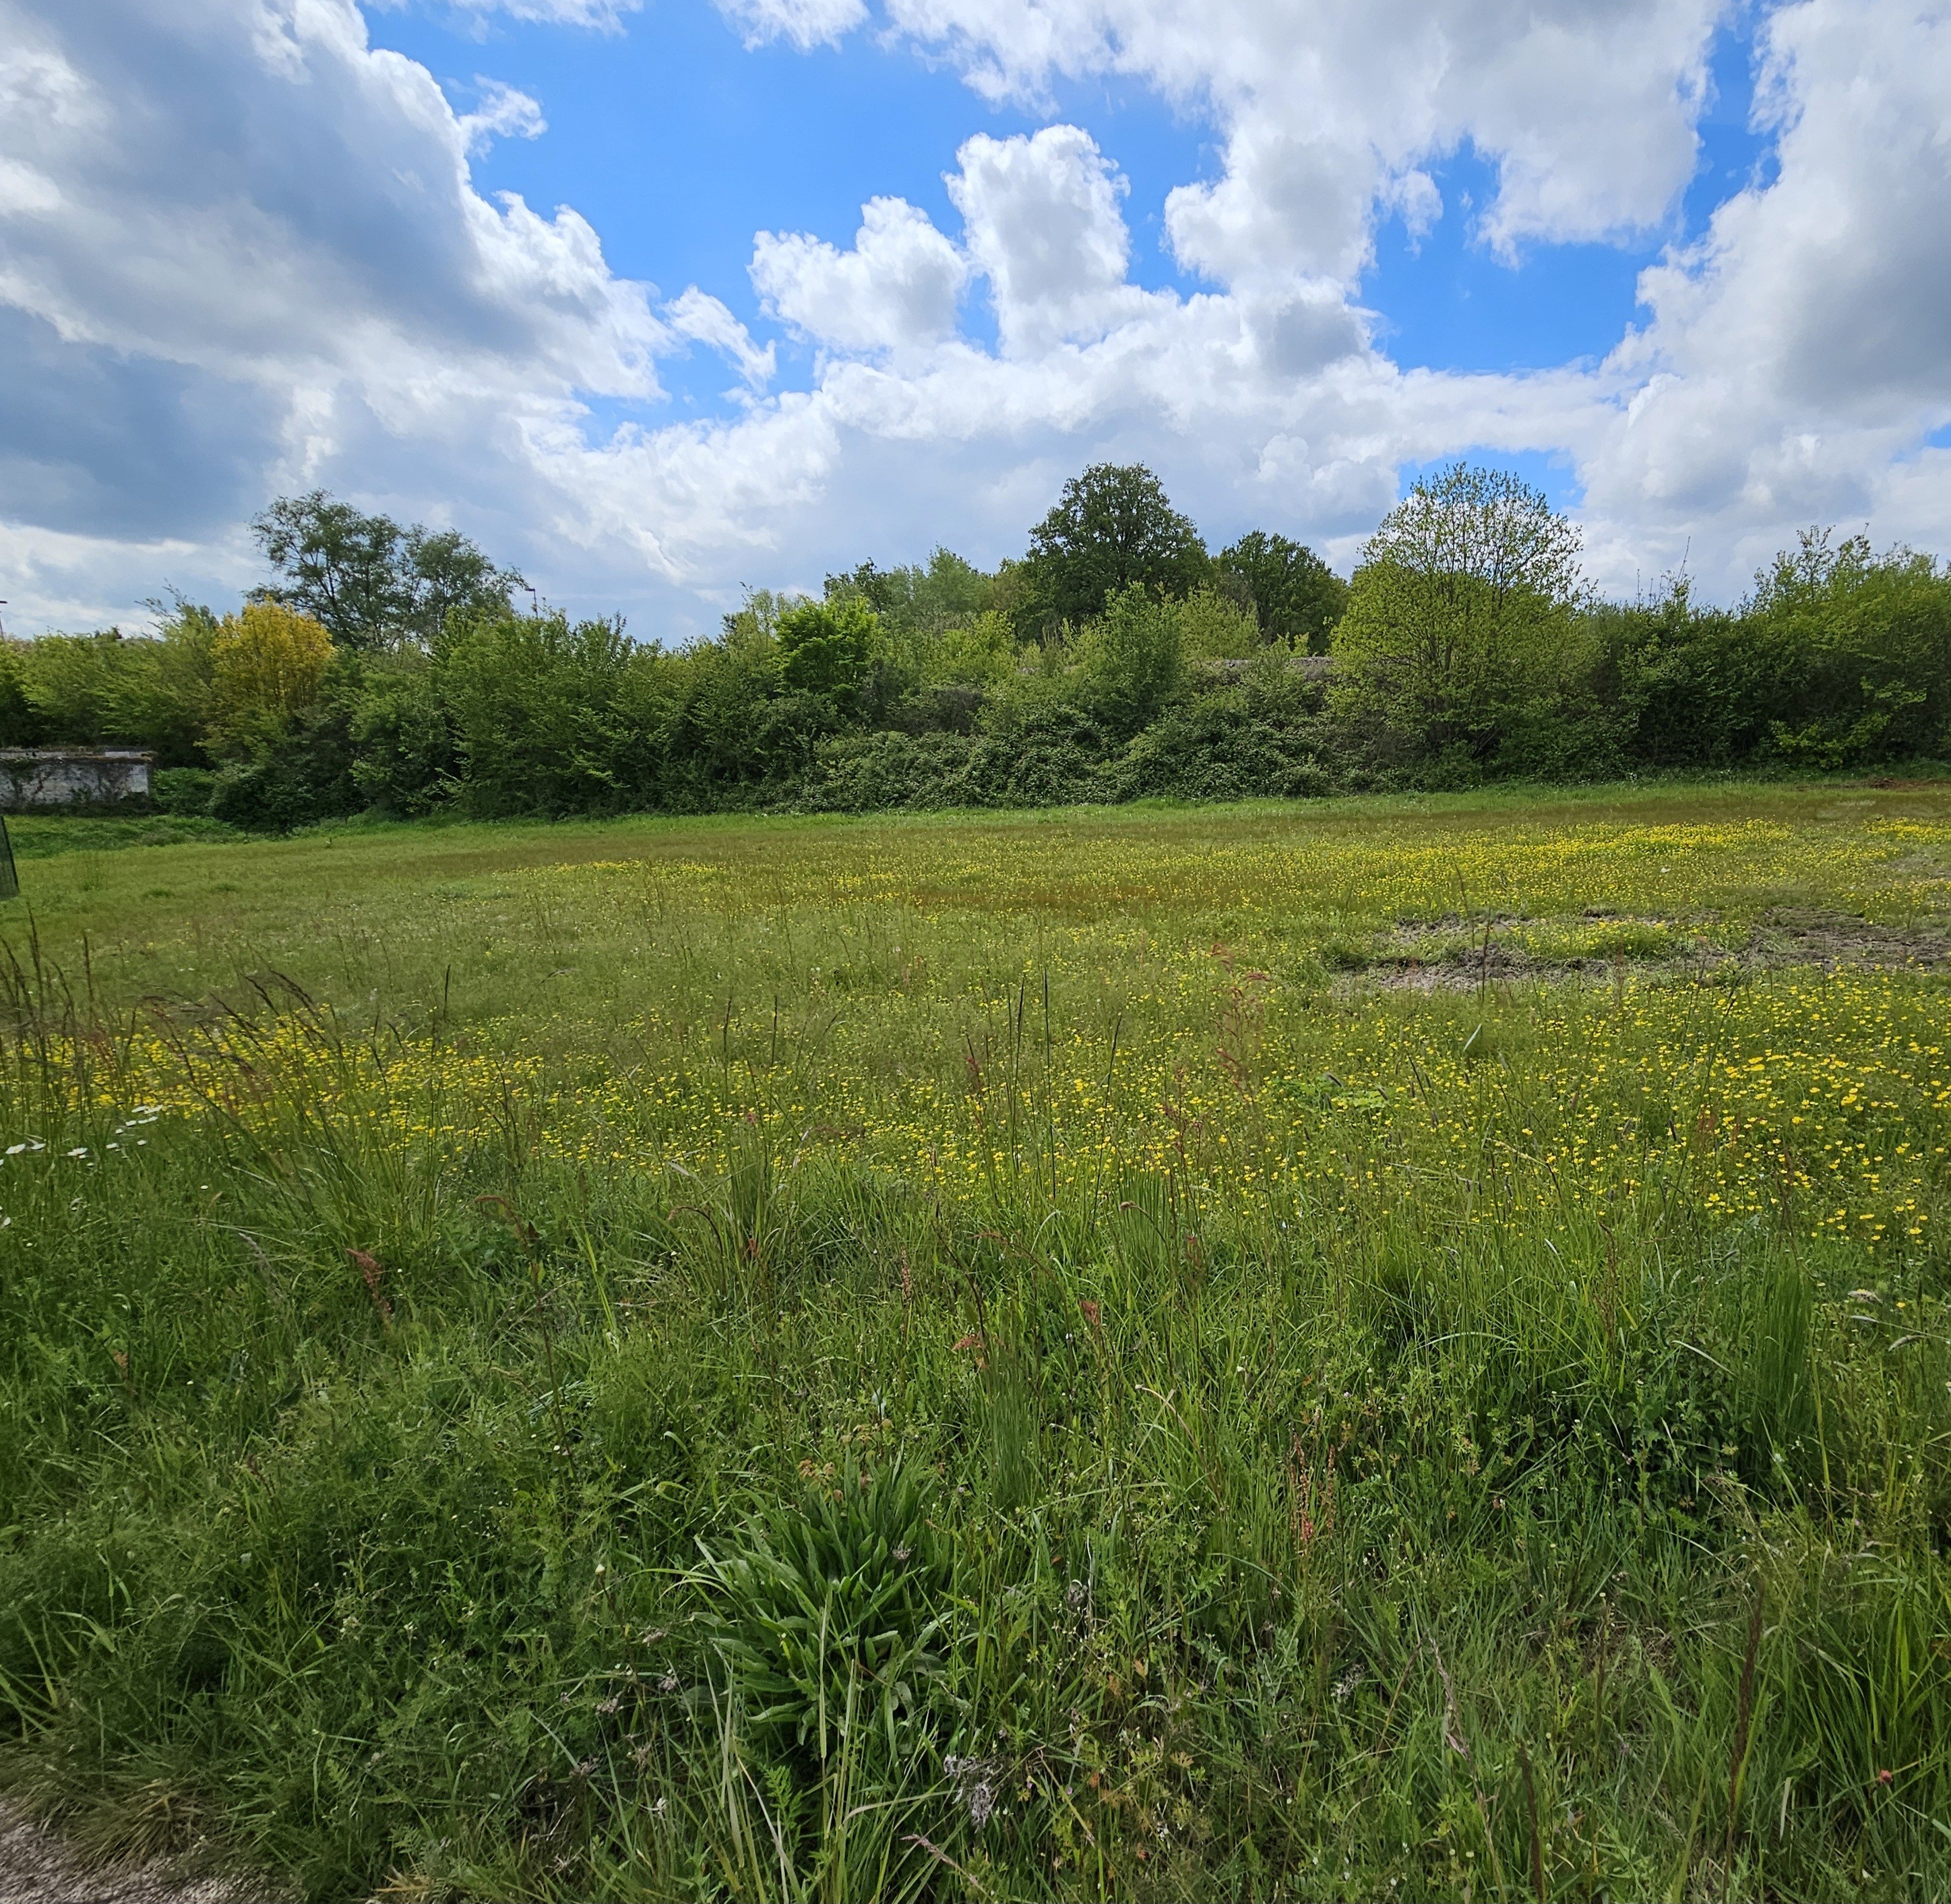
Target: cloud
<point>1414,197</point>
<point>309,221</point>
<point>234,237</point>
<point>94,440</point>
<point>240,250</point>
<point>605,15</point>
<point>898,286</point>
<point>1587,112</point>
<point>1799,353</point>
<point>504,113</point>
<point>1041,224</point>
<point>1796,357</point>
<point>1044,227</point>
<point>703,318</point>
<point>807,24</point>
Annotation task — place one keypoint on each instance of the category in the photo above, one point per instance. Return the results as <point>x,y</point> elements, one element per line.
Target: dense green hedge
<point>917,689</point>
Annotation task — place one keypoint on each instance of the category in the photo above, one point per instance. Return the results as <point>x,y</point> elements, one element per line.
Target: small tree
<point>826,648</point>
<point>978,651</point>
<point>267,664</point>
<point>1133,657</point>
<point>21,722</point>
<point>1868,641</point>
<point>1459,616</point>
<point>713,703</point>
<point>164,704</point>
<point>531,700</point>
<point>1214,625</point>
<point>106,689</point>
<point>921,599</point>
<point>401,736</point>
<point>1297,597</point>
<point>76,685</point>
<point>1113,528</point>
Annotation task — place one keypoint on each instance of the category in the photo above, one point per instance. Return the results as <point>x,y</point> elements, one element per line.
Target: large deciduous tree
<point>1460,619</point>
<point>1113,528</point>
<point>442,572</point>
<point>1297,597</point>
<point>371,583</point>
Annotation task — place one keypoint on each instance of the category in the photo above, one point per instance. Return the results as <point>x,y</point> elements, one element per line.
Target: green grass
<point>1015,1356</point>
<point>39,836</point>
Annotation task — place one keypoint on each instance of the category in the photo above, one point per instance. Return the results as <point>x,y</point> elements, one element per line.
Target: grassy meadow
<point>1388,1348</point>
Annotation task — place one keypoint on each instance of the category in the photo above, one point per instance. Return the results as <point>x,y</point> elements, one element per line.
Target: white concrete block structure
<point>32,777</point>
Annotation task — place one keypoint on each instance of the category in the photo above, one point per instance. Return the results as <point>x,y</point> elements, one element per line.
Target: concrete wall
<point>31,777</point>
<point>1309,667</point>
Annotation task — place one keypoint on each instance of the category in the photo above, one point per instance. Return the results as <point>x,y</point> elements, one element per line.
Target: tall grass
<point>1307,1442</point>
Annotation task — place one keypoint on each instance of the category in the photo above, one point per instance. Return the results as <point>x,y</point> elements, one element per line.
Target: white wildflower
<point>975,1780</point>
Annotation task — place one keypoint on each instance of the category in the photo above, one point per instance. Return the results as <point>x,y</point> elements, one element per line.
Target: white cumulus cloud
<point>242,251</point>
<point>1044,228</point>
<point>899,284</point>
<point>1799,354</point>
<point>1588,112</point>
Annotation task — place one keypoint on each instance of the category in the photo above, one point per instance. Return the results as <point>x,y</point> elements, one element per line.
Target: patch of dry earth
<point>1429,958</point>
<point>38,1867</point>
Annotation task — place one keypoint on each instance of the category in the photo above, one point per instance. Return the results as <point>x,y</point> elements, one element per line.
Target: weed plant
<point>1397,1351</point>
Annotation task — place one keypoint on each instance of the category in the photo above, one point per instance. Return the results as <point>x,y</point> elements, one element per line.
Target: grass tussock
<point>915,1361</point>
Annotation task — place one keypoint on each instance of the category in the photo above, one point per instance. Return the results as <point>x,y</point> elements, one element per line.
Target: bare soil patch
<point>1436,958</point>
<point>38,1866</point>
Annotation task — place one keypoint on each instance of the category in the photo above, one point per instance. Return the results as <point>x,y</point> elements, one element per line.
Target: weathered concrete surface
<point>62,776</point>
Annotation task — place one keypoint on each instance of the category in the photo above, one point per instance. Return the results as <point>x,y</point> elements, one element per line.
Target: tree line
<point>395,669</point>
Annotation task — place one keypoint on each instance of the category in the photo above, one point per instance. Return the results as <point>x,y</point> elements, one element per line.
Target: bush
<point>867,773</point>
<point>304,776</point>
<point>533,698</point>
<point>701,729</point>
<point>108,690</point>
<point>187,791</point>
<point>1840,659</point>
<point>1048,756</point>
<point>1232,743</point>
<point>405,762</point>
<point>1871,642</point>
<point>1132,658</point>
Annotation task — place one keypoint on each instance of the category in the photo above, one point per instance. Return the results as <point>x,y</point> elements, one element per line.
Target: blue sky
<point>1682,263</point>
<point>679,142</point>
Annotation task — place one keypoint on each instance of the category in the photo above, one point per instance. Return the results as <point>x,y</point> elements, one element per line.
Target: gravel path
<point>36,1868</point>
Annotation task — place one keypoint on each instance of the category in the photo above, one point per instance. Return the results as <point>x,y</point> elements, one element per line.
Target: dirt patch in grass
<point>1445,956</point>
<point>38,1866</point>
<point>1809,935</point>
